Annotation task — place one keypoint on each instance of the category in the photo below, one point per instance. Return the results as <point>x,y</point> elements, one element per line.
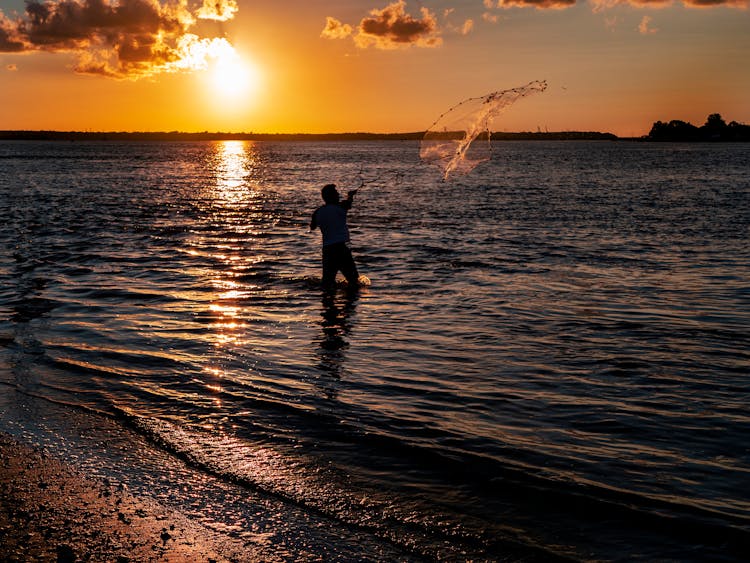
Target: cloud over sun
<point>123,39</point>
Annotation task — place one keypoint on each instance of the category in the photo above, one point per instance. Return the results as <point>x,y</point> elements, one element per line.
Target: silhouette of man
<point>331,219</point>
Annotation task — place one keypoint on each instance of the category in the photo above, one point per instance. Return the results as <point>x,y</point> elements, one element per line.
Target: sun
<point>232,77</point>
<point>225,71</point>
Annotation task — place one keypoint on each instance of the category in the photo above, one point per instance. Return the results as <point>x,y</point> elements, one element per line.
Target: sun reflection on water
<point>235,160</point>
<point>228,201</point>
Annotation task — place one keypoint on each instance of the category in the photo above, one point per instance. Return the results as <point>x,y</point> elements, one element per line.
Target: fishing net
<point>460,139</point>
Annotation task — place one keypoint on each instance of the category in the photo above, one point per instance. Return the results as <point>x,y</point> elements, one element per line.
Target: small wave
<point>322,490</point>
<point>122,295</point>
<point>30,308</point>
<point>309,485</point>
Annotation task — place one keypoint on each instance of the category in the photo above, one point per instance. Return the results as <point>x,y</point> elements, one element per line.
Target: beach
<point>50,511</point>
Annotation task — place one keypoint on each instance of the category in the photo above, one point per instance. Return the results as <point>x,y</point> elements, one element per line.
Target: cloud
<point>119,38</point>
<point>467,26</point>
<point>10,40</point>
<point>644,28</point>
<point>218,10</point>
<point>489,16</point>
<point>11,68</point>
<point>538,4</point>
<point>392,27</point>
<point>463,29</point>
<point>600,5</point>
<point>741,4</point>
<point>334,29</point>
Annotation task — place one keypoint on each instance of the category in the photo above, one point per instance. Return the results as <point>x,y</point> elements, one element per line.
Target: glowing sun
<point>231,76</point>
<point>227,73</point>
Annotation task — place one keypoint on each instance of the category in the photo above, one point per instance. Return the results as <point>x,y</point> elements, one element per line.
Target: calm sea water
<point>552,359</point>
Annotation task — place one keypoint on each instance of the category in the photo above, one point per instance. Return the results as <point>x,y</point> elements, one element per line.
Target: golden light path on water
<point>228,206</point>
<point>233,212</point>
<point>232,163</point>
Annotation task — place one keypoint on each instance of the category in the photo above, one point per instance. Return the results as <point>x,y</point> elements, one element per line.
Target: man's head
<point>329,193</point>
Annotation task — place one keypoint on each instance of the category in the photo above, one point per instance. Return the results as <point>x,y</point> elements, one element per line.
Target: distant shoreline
<point>714,130</point>
<point>222,136</point>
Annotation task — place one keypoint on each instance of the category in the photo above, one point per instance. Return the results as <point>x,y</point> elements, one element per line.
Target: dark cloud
<point>713,3</point>
<point>127,38</point>
<point>656,4</point>
<point>73,23</point>
<point>539,4</point>
<point>10,40</point>
<point>601,5</point>
<point>392,27</point>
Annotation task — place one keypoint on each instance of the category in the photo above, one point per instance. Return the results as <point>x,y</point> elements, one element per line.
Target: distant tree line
<point>715,129</point>
<point>554,136</point>
<point>219,136</point>
<point>202,136</point>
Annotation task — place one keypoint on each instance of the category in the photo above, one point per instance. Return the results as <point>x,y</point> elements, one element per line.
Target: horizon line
<point>54,134</point>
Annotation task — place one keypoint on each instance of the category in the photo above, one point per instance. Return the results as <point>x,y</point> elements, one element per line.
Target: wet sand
<point>49,511</point>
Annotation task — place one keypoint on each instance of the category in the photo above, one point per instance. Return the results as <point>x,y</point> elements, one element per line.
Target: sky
<point>320,66</point>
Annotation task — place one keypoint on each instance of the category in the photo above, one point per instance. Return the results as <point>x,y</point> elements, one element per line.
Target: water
<point>551,360</point>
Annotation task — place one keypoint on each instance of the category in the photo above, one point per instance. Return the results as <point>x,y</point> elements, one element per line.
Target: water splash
<point>450,142</point>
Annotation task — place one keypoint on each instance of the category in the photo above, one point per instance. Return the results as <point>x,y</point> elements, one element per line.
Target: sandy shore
<point>49,511</point>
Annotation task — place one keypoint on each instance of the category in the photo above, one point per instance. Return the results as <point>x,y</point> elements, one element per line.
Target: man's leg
<point>330,267</point>
<point>348,267</point>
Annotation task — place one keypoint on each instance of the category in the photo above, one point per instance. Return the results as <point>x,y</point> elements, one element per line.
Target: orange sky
<point>365,65</point>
